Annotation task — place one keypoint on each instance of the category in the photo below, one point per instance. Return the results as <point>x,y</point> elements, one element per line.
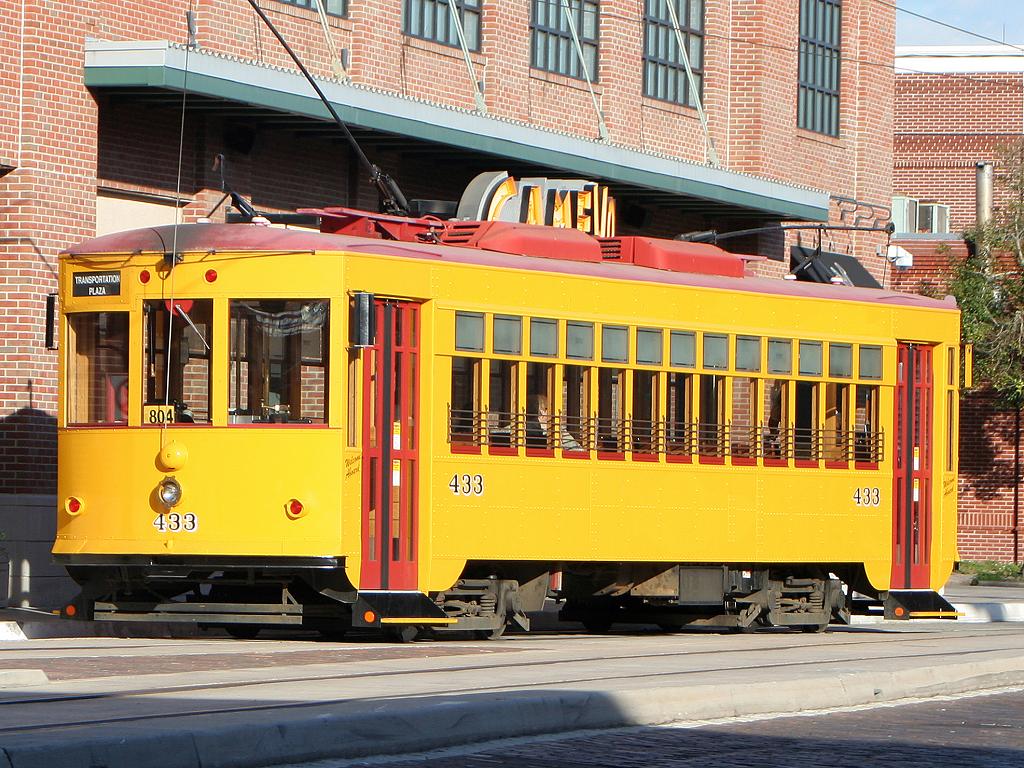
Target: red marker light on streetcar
<point>73,505</point>
<point>144,276</point>
<point>211,275</point>
<point>70,610</point>
<point>294,508</point>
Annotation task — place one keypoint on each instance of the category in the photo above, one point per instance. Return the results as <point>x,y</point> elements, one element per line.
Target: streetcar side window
<point>840,360</point>
<point>837,407</point>
<point>710,430</point>
<point>743,418</point>
<point>810,358</point>
<point>679,435</point>
<point>184,383</point>
<point>540,387</point>
<point>465,402</point>
<point>716,351</point>
<point>644,431</point>
<point>576,407</point>
<point>870,362</point>
<point>775,435</point>
<point>278,361</point>
<point>867,444</point>
<point>97,368</point>
<point>503,403</point>
<point>805,432</point>
<point>610,409</point>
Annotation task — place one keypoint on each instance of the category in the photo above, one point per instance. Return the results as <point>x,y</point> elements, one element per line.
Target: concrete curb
<point>11,630</point>
<point>412,725</point>
<point>984,613</point>
<point>22,678</point>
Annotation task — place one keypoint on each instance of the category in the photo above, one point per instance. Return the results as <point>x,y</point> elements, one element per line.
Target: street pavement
<point>984,731</point>
<point>185,703</point>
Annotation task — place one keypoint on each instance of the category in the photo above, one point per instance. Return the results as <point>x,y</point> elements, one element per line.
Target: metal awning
<point>155,71</point>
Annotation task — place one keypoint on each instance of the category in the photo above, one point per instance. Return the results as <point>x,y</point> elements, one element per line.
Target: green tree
<point>989,285</point>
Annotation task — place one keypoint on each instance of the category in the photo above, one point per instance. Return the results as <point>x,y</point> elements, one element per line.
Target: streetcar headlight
<point>169,492</point>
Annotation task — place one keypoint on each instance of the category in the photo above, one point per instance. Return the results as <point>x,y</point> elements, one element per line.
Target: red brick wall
<point>46,203</point>
<point>988,522</point>
<point>944,125</point>
<point>65,142</point>
<point>989,511</point>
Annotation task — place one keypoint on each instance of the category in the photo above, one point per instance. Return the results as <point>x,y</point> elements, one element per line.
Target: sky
<point>998,19</point>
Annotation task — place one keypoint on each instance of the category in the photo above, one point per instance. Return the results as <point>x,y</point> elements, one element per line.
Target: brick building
<point>97,97</point>
<point>955,106</point>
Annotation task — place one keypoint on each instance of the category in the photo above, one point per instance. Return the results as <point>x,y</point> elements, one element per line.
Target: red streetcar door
<point>390,448</point>
<point>912,482</point>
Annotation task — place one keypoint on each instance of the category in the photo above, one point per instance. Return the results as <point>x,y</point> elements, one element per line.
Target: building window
<point>432,20</point>
<point>333,7</point>
<point>818,104</point>
<point>664,73</point>
<point>553,47</point>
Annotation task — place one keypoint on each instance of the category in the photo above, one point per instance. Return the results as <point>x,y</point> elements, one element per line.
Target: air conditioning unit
<point>932,217</point>
<point>904,213</point>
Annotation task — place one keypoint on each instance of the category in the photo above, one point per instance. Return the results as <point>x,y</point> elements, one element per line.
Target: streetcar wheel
<point>332,633</point>
<point>405,633</point>
<point>597,626</point>
<point>242,631</point>
<point>496,633</point>
<point>813,629</point>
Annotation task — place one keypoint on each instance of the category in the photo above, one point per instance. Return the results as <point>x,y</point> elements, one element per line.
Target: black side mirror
<point>361,330</point>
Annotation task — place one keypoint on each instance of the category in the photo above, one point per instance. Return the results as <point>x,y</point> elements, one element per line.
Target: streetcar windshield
<point>97,368</point>
<point>184,385</point>
<point>279,357</point>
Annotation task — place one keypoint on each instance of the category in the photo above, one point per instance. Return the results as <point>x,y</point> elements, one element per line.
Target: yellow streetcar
<point>409,423</point>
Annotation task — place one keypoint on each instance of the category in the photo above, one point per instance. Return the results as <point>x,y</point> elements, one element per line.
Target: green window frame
<point>432,20</point>
<point>819,66</point>
<point>664,73</point>
<point>333,7</point>
<point>552,48</point>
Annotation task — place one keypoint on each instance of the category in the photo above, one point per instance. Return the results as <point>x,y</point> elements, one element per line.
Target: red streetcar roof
<point>209,238</point>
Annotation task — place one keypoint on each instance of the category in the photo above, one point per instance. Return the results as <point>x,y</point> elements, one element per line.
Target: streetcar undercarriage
<point>490,597</point>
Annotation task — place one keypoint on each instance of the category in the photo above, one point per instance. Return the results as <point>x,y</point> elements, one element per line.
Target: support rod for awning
<point>710,153</point>
<point>478,96</point>
<point>336,63</point>
<point>602,128</point>
<point>392,197</point>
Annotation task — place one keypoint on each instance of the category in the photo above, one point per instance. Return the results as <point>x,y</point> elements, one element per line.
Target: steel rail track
<point>139,693</point>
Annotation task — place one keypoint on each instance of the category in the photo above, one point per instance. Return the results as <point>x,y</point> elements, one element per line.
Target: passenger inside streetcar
<point>538,426</point>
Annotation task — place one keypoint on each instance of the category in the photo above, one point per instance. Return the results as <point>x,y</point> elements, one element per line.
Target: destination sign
<point>96,284</point>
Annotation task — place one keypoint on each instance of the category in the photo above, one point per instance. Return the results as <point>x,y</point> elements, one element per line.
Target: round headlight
<point>169,492</point>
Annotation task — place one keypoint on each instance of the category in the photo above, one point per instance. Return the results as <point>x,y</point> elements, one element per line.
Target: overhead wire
<point>947,25</point>
<point>174,236</point>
